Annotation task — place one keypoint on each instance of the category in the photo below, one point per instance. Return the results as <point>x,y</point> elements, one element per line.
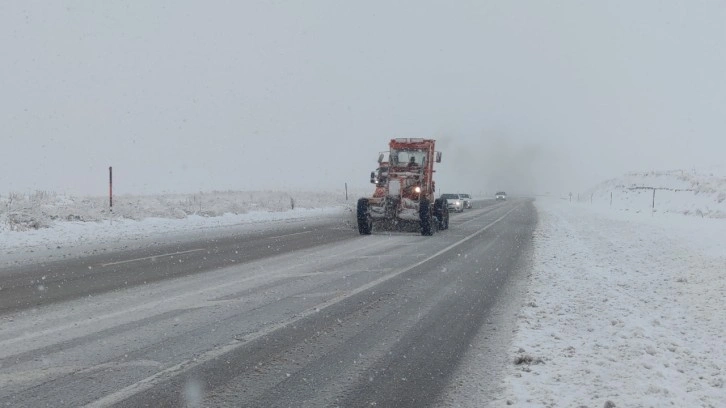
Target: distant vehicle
<point>501,196</point>
<point>467,200</point>
<point>453,202</point>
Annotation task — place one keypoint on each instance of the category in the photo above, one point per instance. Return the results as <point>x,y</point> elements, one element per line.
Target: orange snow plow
<point>404,194</point>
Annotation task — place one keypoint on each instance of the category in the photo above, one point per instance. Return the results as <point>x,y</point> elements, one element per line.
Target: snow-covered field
<point>42,209</point>
<point>623,310</point>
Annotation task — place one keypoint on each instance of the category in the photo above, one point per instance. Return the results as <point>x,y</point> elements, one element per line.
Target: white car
<point>454,202</point>
<point>501,196</point>
<point>467,200</point>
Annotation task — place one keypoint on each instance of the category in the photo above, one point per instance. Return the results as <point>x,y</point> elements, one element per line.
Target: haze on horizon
<point>522,96</point>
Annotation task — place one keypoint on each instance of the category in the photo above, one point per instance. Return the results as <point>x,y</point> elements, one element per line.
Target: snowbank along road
<point>291,316</point>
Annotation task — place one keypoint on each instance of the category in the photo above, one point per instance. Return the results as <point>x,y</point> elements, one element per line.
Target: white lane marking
<point>189,251</point>
<point>181,368</point>
<point>152,257</point>
<point>40,374</point>
<point>289,235</point>
<point>377,256</point>
<point>162,303</point>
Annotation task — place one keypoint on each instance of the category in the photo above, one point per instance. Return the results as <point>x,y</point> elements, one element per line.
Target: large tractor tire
<point>441,212</point>
<point>365,222</point>
<point>426,217</point>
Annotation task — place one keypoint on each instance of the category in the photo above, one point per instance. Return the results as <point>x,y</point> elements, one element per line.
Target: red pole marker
<point>110,188</point>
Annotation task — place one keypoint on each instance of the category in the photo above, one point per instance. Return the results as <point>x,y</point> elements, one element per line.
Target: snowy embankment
<point>52,226</point>
<point>699,193</point>
<point>623,310</point>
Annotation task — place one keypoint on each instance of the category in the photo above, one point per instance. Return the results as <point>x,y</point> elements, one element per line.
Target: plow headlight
<point>417,189</point>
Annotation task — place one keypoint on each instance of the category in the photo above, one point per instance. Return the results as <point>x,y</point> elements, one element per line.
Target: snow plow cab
<point>404,192</point>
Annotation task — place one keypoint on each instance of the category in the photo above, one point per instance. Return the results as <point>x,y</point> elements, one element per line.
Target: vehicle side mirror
<point>438,157</point>
<point>373,177</point>
<point>380,158</point>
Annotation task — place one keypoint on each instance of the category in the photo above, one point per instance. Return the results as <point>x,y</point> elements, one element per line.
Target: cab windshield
<point>403,158</point>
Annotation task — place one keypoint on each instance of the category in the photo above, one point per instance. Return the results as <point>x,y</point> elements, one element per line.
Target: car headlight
<point>417,189</point>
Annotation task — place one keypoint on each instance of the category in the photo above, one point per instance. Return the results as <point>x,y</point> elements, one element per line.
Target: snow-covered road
<point>347,321</point>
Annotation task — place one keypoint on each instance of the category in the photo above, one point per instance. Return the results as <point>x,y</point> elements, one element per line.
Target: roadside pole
<point>110,193</point>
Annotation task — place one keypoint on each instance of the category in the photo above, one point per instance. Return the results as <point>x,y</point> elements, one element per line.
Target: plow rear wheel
<point>365,222</point>
<point>441,212</point>
<point>426,217</point>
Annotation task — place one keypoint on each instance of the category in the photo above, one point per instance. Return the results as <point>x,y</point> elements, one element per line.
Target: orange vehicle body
<point>405,189</point>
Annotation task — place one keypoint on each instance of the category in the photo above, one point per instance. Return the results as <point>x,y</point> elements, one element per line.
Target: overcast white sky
<point>521,95</point>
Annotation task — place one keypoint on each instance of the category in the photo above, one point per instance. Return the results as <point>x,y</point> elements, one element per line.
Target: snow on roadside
<point>78,228</point>
<point>623,310</point>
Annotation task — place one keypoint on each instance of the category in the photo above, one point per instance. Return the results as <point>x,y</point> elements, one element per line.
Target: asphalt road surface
<point>297,316</point>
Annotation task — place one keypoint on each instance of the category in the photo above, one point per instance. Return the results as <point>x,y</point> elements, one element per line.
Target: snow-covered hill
<point>699,193</point>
